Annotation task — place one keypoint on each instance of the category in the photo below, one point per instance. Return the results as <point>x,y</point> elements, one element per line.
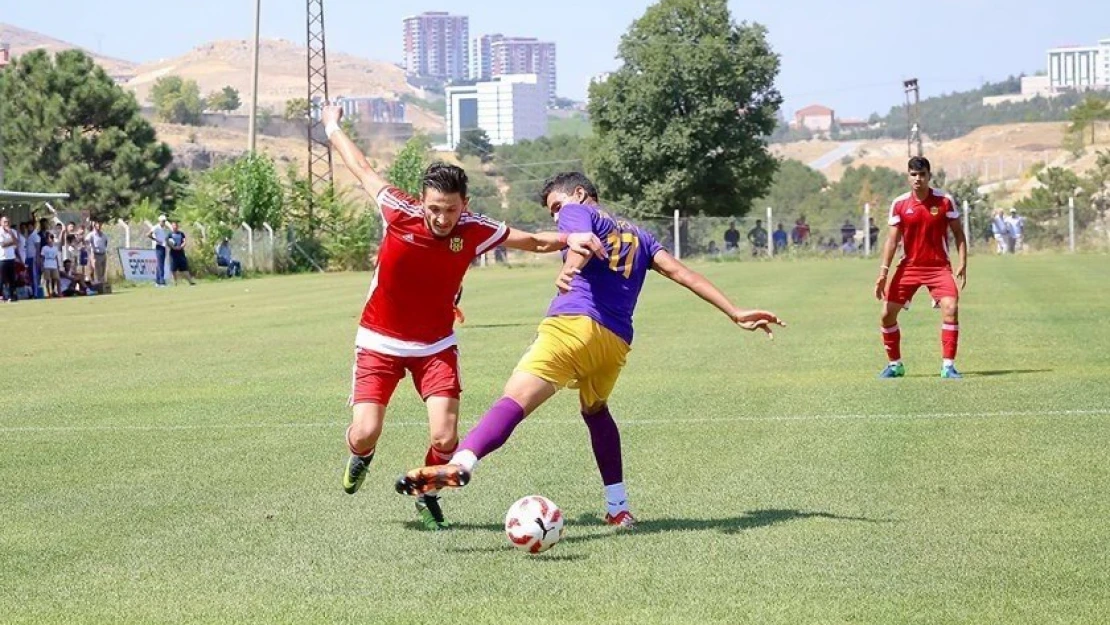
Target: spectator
<point>98,246</point>
<point>757,236</point>
<point>224,259</point>
<point>1001,231</point>
<point>501,254</point>
<point>800,233</point>
<point>44,229</point>
<point>48,258</point>
<point>71,283</point>
<point>778,239</point>
<point>9,241</point>
<point>178,262</point>
<point>732,238</point>
<point>873,233</point>
<point>849,246</point>
<point>713,250</point>
<point>159,234</point>
<point>847,232</point>
<point>1017,230</point>
<point>31,255</point>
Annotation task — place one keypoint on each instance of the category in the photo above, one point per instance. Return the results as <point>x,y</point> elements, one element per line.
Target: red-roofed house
<point>814,117</point>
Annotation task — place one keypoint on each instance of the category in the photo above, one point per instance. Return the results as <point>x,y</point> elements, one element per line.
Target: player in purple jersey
<point>583,342</point>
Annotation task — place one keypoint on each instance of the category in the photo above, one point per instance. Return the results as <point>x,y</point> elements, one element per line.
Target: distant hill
<point>24,41</point>
<point>281,72</point>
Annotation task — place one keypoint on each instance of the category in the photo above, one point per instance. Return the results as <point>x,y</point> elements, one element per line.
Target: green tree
<point>258,191</point>
<point>296,109</point>
<point>682,123</point>
<point>793,184</point>
<point>227,99</point>
<point>407,170</point>
<point>67,126</point>
<point>1087,114</point>
<point>475,142</point>
<point>177,101</point>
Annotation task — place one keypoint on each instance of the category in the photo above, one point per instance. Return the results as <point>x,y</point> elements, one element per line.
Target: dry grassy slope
<point>23,41</point>
<point>1014,143</point>
<point>281,75</point>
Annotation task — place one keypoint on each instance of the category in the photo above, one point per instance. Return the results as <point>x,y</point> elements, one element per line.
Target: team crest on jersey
<point>934,211</point>
<point>456,244</point>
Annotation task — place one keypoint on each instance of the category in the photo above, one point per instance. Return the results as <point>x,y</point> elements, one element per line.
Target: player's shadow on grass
<point>752,519</point>
<point>984,374</point>
<point>485,326</point>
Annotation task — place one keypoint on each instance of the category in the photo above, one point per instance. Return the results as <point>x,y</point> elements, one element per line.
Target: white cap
<point>161,218</point>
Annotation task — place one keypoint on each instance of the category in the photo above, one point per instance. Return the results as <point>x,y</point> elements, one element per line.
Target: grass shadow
<point>977,374</point>
<point>486,326</point>
<point>752,519</point>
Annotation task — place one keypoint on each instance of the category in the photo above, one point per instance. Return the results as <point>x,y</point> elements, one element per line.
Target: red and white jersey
<point>410,308</point>
<point>924,226</point>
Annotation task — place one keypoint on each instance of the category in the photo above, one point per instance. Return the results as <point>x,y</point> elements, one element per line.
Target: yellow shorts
<point>576,352</point>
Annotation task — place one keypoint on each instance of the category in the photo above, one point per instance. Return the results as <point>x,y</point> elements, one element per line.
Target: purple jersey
<point>606,290</point>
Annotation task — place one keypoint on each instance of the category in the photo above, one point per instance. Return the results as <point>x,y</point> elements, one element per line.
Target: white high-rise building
<point>1079,67</point>
<point>509,108</point>
<point>481,57</point>
<point>437,45</point>
<point>525,55</point>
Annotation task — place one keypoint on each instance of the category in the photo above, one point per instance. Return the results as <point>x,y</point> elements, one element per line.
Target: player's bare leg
<point>524,393</point>
<point>443,430</point>
<point>949,336</point>
<point>892,341</point>
<point>362,439</point>
<point>605,439</point>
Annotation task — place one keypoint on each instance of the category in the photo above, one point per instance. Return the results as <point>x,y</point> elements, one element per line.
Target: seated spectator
<point>847,231</point>
<point>71,283</point>
<point>223,259</point>
<point>712,249</point>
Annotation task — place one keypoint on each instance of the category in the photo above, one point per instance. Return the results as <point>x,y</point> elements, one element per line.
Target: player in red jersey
<point>921,220</point>
<point>408,320</point>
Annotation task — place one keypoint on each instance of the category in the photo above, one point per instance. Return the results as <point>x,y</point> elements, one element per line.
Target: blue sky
<point>850,56</point>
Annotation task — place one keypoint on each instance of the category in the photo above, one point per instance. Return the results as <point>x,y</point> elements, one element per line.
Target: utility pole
<point>252,131</point>
<point>913,117</point>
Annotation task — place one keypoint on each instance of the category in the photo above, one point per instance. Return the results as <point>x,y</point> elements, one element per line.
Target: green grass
<point>172,456</point>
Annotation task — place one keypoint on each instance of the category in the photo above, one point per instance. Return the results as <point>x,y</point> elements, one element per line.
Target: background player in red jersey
<point>407,322</point>
<point>921,220</point>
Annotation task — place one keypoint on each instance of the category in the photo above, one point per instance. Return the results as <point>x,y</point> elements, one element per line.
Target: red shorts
<point>376,375</point>
<point>907,280</point>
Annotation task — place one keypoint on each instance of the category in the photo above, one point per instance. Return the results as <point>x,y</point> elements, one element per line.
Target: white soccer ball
<point>534,524</point>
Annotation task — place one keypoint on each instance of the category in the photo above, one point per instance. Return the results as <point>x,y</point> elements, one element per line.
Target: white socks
<point>616,498</point>
<point>949,362</point>
<point>465,459</point>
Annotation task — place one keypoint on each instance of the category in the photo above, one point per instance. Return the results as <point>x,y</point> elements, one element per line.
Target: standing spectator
<point>873,233</point>
<point>98,247</point>
<point>1001,231</point>
<point>778,239</point>
<point>178,262</point>
<point>1017,230</point>
<point>48,258</point>
<point>159,235</point>
<point>44,229</point>
<point>757,236</point>
<point>9,241</point>
<point>800,234</point>
<point>732,237</point>
<point>847,232</point>
<point>31,255</point>
<point>224,259</point>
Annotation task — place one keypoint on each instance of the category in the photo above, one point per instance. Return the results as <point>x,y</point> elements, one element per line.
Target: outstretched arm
<point>352,157</point>
<point>543,242</point>
<point>676,271</point>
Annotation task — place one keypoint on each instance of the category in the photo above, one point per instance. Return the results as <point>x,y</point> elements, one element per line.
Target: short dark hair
<point>567,182</point>
<point>920,163</point>
<point>444,178</point>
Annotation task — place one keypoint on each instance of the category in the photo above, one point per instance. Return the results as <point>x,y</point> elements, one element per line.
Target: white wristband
<point>331,129</point>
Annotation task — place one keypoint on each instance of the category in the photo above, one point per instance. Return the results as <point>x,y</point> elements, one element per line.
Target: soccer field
<point>175,455</point>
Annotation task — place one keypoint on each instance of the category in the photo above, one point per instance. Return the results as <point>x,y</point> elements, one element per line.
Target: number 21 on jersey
<point>622,247</point>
